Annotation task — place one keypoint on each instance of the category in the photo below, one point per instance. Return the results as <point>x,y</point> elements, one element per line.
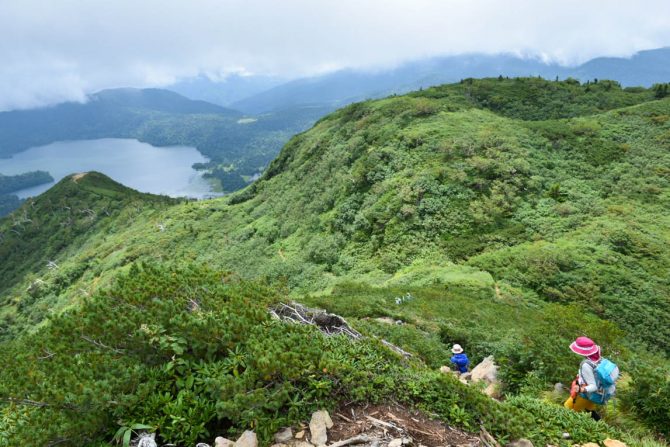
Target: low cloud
<point>56,51</point>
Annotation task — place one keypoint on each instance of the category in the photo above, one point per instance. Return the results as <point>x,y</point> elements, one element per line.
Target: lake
<point>141,166</point>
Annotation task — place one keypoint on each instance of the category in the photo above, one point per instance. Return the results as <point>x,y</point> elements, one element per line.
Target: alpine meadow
<point>508,215</point>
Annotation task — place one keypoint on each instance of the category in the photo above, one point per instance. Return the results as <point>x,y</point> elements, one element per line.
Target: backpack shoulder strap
<point>587,362</point>
<point>593,366</point>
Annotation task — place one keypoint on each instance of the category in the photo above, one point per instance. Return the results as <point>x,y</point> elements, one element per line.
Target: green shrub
<point>185,351</point>
<point>649,397</point>
<point>324,249</point>
<point>550,421</point>
<point>193,353</point>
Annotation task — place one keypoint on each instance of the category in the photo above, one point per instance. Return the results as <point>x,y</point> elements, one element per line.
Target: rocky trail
<point>390,425</point>
<point>395,425</point>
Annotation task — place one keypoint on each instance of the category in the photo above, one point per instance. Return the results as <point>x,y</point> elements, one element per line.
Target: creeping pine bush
<point>189,352</point>
<point>193,354</point>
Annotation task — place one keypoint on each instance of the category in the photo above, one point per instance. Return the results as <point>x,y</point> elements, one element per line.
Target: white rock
<point>486,371</point>
<point>147,440</point>
<point>202,444</point>
<point>301,444</point>
<point>223,442</point>
<point>491,390</point>
<point>284,435</point>
<point>385,320</point>
<point>397,442</point>
<point>318,427</point>
<point>248,439</point>
<point>609,442</point>
<point>520,443</point>
<point>300,434</point>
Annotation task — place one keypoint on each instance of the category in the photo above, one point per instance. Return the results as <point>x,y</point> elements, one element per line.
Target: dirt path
<point>394,421</point>
<point>77,177</point>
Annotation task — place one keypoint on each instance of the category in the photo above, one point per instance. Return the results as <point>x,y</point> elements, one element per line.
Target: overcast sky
<point>55,50</point>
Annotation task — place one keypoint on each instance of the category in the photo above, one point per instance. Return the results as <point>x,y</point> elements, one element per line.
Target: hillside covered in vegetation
<point>237,145</point>
<point>513,215</point>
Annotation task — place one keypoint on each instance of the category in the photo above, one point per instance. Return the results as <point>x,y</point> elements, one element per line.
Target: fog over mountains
<point>65,51</point>
<point>258,94</point>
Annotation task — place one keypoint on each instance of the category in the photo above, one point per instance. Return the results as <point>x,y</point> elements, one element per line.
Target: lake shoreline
<point>163,170</point>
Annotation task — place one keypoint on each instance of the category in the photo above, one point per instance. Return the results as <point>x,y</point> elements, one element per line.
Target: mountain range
<point>506,215</point>
<point>343,87</point>
<point>241,122</point>
<point>109,113</point>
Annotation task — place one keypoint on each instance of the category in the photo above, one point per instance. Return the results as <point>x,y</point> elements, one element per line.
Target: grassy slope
<point>433,187</point>
<point>54,227</point>
<point>481,210</point>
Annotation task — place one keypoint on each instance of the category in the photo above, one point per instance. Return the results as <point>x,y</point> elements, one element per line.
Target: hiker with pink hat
<point>594,384</point>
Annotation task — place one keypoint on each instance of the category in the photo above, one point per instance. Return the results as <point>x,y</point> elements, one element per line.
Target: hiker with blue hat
<point>460,359</point>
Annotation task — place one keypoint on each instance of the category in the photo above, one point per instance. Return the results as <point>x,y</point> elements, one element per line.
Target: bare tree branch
<point>102,345</point>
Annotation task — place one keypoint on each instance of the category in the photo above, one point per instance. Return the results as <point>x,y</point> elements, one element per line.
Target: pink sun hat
<point>584,346</point>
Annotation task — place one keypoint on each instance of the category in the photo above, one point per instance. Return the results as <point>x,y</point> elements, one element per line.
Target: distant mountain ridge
<point>240,149</point>
<point>159,100</point>
<point>346,86</point>
<point>114,113</point>
<point>226,91</point>
<point>642,69</point>
<point>236,147</point>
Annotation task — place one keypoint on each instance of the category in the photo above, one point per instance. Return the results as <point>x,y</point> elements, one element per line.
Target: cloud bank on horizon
<point>58,51</point>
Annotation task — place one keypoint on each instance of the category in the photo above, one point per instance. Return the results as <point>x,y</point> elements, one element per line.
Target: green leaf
<point>126,438</point>
<point>119,433</point>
